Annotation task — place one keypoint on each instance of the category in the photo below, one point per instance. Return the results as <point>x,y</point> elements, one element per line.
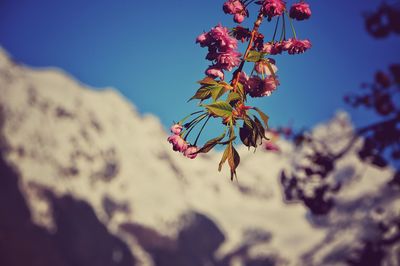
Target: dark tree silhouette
<point>380,146</point>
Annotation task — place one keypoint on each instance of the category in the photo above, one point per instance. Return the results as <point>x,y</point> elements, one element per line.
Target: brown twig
<point>257,24</point>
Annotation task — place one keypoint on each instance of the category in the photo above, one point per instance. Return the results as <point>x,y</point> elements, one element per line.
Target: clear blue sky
<point>146,50</point>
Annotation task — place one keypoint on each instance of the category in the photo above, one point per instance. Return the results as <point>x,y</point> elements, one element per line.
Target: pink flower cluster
<point>258,87</point>
<point>222,51</point>
<point>300,11</point>
<point>273,8</point>
<point>236,8</point>
<point>179,144</point>
<point>292,46</point>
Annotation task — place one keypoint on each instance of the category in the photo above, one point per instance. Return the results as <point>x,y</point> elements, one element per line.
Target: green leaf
<point>208,81</point>
<point>202,94</point>
<point>211,144</point>
<point>221,109</point>
<point>233,96</point>
<point>260,129</point>
<point>246,136</point>
<point>233,160</point>
<point>224,157</point>
<point>240,90</point>
<point>226,85</point>
<point>254,56</point>
<point>264,117</point>
<point>217,92</point>
<point>248,121</point>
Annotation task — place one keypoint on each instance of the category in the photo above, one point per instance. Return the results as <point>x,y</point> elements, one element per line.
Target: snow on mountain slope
<point>66,139</point>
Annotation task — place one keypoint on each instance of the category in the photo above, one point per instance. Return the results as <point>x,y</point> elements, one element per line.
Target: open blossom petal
<point>222,51</point>
<point>273,8</point>
<point>190,152</point>
<point>272,48</point>
<point>178,143</point>
<point>257,87</point>
<point>221,36</point>
<point>269,85</point>
<point>229,60</point>
<point>233,7</point>
<point>295,46</point>
<point>204,39</point>
<point>300,11</point>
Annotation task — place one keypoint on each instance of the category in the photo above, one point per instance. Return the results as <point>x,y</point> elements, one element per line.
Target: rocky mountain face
<point>86,180</point>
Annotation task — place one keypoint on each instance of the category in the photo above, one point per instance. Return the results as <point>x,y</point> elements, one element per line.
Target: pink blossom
<point>232,7</point>
<point>271,146</point>
<point>204,39</point>
<point>272,8</point>
<point>269,85</point>
<point>272,48</point>
<point>222,51</point>
<point>221,36</point>
<point>254,86</point>
<point>215,72</point>
<point>229,60</point>
<point>236,8</point>
<point>300,11</point>
<point>176,129</point>
<point>191,152</point>
<point>238,18</point>
<point>294,46</point>
<point>178,143</point>
<point>257,87</point>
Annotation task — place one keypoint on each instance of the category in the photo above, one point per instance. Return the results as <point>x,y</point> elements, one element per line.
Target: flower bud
<point>176,129</point>
<point>191,152</point>
<point>238,18</point>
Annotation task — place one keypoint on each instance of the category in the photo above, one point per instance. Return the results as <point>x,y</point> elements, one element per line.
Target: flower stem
<point>276,28</point>
<point>201,130</point>
<point>193,125</point>
<point>283,28</point>
<point>188,125</point>
<point>291,25</point>
<point>186,117</point>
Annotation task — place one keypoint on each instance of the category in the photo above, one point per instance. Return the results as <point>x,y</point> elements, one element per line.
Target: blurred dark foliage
<point>381,140</point>
<point>384,21</point>
<point>309,183</point>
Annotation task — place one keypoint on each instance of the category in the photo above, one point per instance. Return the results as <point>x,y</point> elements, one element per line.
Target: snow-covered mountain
<point>87,180</point>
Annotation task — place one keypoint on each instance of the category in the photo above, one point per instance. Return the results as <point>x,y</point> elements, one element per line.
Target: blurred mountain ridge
<point>93,182</point>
